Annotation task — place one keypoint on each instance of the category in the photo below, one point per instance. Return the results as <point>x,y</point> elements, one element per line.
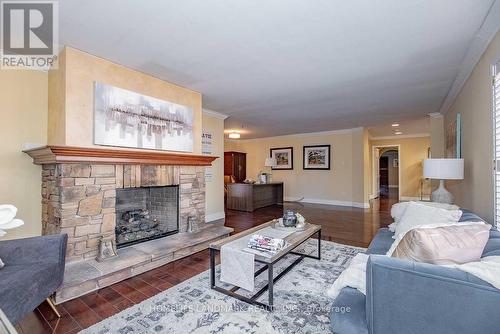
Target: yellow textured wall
<point>23,107</point>
<point>475,104</point>
<point>215,187</point>
<point>56,132</point>
<point>342,184</point>
<point>412,153</point>
<point>80,70</point>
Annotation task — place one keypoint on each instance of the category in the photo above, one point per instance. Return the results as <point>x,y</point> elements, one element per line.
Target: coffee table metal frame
<point>269,266</point>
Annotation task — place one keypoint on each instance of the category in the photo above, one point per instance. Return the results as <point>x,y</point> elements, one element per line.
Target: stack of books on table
<point>267,245</point>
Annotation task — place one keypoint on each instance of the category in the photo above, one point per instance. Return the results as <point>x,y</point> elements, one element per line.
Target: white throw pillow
<point>417,214</point>
<point>398,209</point>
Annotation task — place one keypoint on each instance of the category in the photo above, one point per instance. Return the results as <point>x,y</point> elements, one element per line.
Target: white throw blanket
<point>487,269</point>
<point>353,276</point>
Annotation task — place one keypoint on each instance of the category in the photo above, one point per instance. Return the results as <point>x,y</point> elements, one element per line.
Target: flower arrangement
<point>300,218</point>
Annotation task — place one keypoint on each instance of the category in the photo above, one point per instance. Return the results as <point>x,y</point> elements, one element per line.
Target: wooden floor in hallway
<point>347,225</point>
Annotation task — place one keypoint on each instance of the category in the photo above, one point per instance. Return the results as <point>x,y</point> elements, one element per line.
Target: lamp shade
<point>444,169</point>
<point>270,162</point>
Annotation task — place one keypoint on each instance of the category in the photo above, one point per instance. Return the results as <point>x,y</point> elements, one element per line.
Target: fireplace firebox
<point>146,213</point>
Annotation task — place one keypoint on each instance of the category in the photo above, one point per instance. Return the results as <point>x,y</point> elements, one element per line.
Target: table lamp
<point>270,162</point>
<point>443,169</point>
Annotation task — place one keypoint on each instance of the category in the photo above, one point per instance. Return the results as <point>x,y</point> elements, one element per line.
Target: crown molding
<point>435,115</point>
<point>416,135</point>
<point>478,46</point>
<point>306,134</point>
<point>215,114</point>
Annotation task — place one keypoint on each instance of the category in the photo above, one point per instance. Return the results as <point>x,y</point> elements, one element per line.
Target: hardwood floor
<point>345,225</point>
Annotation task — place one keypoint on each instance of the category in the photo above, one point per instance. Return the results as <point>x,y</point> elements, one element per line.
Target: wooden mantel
<point>66,154</point>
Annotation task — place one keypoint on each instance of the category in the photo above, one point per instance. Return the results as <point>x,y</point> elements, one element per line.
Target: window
<point>496,143</point>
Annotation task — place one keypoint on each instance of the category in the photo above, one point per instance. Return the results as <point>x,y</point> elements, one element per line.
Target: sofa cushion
<point>348,312</point>
<point>492,247</point>
<point>469,216</point>
<point>381,242</point>
<point>31,284</point>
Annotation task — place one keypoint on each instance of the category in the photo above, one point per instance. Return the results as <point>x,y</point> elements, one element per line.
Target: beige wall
<point>366,165</point>
<point>23,107</point>
<point>215,188</point>
<point>342,184</point>
<point>437,136</point>
<point>71,90</point>
<point>474,103</point>
<point>231,145</point>
<point>412,152</point>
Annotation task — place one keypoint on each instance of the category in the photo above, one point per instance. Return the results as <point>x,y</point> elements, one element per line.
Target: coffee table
<point>293,241</point>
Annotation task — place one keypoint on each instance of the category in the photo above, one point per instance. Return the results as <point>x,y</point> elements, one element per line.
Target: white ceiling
<point>288,66</point>
<point>408,127</point>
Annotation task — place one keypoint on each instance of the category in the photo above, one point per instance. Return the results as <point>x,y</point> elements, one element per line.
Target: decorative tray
<point>277,224</point>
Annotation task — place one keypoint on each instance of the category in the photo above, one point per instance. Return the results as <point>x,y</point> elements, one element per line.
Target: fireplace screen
<point>146,213</point>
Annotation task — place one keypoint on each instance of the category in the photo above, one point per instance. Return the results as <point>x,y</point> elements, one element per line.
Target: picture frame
<point>316,157</point>
<point>123,118</point>
<point>283,156</point>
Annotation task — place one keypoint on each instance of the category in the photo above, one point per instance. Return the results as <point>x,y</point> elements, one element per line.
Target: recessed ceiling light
<point>398,133</point>
<point>234,135</point>
<point>395,124</point>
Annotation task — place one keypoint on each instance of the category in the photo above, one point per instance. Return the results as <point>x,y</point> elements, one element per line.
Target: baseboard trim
<point>414,198</point>
<point>215,216</point>
<point>329,202</point>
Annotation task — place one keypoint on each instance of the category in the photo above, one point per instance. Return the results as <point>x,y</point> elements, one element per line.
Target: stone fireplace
<point>141,200</point>
<point>80,200</point>
<point>146,213</point>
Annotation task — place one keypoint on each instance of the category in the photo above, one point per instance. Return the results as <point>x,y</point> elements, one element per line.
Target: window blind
<point>496,140</point>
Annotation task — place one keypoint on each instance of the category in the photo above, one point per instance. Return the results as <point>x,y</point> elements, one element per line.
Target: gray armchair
<point>34,269</point>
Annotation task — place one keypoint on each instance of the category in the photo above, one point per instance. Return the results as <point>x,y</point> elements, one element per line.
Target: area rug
<point>301,304</point>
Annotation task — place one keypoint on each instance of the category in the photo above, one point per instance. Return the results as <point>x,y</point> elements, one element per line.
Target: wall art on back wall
<point>284,158</point>
<point>317,157</point>
<point>128,119</point>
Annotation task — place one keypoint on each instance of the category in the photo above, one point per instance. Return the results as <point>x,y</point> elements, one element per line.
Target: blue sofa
<point>409,297</point>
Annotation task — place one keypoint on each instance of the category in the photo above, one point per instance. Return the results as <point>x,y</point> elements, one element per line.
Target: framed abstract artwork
<point>316,157</point>
<point>453,138</point>
<point>128,119</point>
<point>284,158</point>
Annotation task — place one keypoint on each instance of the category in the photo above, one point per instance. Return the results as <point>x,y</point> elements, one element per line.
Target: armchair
<point>34,269</point>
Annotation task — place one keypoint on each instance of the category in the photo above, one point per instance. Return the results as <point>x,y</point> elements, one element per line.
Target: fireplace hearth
<point>146,213</point>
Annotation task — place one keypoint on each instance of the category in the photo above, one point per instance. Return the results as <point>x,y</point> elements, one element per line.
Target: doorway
<point>386,173</point>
